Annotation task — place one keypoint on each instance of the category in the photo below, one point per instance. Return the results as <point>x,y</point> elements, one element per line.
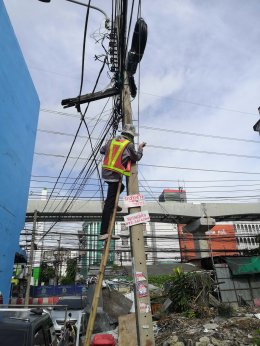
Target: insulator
<point>112,44</point>
<point>114,60</point>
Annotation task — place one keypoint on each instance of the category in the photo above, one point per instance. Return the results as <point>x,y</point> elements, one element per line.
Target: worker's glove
<point>142,145</point>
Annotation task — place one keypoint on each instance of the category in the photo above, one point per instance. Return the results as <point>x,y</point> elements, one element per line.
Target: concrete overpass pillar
<point>198,228</point>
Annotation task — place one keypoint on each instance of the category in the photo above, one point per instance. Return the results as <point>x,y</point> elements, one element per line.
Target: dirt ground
<point>238,330</point>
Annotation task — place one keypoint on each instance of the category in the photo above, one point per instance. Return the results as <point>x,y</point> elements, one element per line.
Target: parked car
<point>26,327</point>
<point>70,309</point>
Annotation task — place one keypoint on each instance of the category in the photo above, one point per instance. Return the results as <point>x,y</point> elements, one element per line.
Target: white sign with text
<point>136,218</point>
<point>134,201</point>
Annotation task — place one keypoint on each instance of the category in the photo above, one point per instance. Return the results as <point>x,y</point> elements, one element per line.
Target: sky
<point>197,102</point>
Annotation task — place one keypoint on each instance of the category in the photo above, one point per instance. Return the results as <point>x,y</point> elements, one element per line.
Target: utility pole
<point>144,325</point>
<point>29,273</point>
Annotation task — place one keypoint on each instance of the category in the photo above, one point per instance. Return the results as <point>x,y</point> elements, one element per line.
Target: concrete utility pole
<point>29,273</point>
<point>144,326</point>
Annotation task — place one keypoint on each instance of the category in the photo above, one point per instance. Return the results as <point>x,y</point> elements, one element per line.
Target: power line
<point>170,148</point>
<point>49,111</point>
<point>203,105</point>
<point>198,169</point>
<point>161,180</point>
<point>154,187</point>
<point>204,152</point>
<point>199,134</point>
<point>170,131</point>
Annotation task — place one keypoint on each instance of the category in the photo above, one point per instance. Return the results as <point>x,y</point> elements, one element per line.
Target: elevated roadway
<point>167,212</point>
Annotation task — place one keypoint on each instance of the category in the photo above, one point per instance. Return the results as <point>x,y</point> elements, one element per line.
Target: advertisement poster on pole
<point>144,308</point>
<point>134,200</point>
<point>142,289</point>
<point>136,218</point>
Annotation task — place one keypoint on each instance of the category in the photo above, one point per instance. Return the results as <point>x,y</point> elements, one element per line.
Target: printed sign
<point>136,218</point>
<point>139,276</point>
<point>134,201</point>
<point>142,289</point>
<point>144,308</point>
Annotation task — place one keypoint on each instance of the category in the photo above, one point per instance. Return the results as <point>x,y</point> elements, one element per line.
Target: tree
<point>70,272</point>
<point>46,273</point>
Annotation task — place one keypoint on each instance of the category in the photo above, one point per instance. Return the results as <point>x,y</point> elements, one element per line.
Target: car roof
<point>22,318</point>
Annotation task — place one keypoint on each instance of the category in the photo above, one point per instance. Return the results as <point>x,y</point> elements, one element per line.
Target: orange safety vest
<point>113,158</point>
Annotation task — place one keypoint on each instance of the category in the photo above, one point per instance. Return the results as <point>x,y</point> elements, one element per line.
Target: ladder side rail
<point>101,272</point>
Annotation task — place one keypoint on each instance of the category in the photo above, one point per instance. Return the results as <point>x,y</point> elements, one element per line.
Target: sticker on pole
<point>136,218</point>
<point>144,308</point>
<point>142,289</point>
<point>139,276</point>
<point>134,201</point>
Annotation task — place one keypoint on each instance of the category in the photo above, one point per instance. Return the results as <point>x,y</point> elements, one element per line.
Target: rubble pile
<point>177,330</point>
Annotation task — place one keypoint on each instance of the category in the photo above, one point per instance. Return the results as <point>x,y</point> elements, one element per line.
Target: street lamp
<point>90,6</point>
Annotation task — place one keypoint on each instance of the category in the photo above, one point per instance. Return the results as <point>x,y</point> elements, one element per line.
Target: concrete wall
<point>19,110</point>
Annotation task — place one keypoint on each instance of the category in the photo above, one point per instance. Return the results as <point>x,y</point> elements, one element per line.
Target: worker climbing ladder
<point>101,272</point>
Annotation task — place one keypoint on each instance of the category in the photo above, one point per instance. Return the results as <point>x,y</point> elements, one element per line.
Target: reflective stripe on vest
<point>113,158</point>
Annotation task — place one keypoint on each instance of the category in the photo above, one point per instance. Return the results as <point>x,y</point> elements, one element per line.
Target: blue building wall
<point>19,111</point>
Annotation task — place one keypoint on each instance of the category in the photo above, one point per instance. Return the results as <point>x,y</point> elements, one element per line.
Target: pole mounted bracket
<point>71,102</point>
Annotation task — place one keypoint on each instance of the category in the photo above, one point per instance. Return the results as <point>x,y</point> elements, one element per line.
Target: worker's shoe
<point>103,237</point>
<point>119,208</point>
<point>115,237</point>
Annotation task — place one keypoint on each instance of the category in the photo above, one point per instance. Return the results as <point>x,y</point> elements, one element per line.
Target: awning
<point>243,265</point>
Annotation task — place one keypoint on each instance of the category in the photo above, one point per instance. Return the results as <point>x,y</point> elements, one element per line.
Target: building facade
<point>91,248</point>
<point>19,109</point>
<point>247,235</point>
<point>160,239</point>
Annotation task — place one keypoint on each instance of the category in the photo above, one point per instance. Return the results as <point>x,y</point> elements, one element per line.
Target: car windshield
<point>72,304</point>
<point>13,337</point>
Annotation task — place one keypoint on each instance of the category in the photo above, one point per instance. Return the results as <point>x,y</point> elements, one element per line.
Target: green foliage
<point>189,289</point>
<point>64,280</point>
<point>225,310</point>
<point>46,273</point>
<point>189,314</point>
<point>159,280</point>
<point>70,271</point>
<point>256,338</point>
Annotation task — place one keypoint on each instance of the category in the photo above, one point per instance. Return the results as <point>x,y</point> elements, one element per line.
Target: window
<point>124,241</point>
<point>72,304</point>
<point>39,339</point>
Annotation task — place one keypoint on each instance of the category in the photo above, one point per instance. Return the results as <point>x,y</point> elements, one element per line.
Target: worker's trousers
<point>109,205</point>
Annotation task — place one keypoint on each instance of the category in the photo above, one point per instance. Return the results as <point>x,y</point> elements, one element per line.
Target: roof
<point>21,318</point>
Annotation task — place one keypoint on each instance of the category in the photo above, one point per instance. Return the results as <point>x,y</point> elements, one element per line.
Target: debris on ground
<point>178,330</point>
